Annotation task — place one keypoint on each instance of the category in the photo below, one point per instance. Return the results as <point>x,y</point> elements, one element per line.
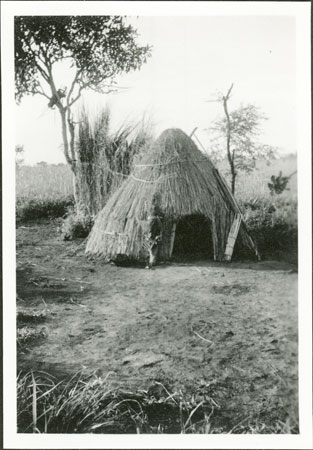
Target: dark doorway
<point>193,237</point>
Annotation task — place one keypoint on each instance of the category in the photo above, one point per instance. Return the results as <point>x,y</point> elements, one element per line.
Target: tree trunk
<point>80,201</point>
<point>68,130</point>
<point>71,129</point>
<point>228,139</point>
<point>233,179</point>
<point>69,150</point>
<point>65,139</point>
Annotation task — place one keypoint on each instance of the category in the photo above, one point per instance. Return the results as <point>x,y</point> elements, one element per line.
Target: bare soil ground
<point>224,330</point>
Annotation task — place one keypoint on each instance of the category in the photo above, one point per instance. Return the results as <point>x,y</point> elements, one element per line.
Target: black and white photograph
<point>157,224</point>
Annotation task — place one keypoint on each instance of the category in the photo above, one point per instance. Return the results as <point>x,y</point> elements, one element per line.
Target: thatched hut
<point>198,211</point>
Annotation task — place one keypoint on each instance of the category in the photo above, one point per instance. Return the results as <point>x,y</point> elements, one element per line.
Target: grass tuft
<point>29,336</point>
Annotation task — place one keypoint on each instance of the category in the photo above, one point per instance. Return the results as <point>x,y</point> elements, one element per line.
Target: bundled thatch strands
<point>104,159</point>
<point>90,160</point>
<point>175,178</point>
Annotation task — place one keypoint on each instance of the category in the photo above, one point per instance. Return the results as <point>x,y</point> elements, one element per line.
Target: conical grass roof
<point>182,180</point>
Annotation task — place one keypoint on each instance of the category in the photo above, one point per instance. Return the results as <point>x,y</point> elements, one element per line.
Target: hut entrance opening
<point>193,237</point>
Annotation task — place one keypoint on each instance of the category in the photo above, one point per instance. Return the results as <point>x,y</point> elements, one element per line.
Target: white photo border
<point>302,12</point>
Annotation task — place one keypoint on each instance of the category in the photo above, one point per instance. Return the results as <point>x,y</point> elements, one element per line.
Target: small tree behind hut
<point>279,183</point>
<point>19,155</point>
<point>236,136</point>
<point>98,49</point>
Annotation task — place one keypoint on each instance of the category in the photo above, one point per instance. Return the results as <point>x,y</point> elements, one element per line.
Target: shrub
<point>273,224</point>
<point>39,208</point>
<point>76,225</point>
<point>278,184</point>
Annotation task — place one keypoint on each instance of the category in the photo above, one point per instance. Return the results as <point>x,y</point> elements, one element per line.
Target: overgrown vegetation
<point>80,405</point>
<point>39,208</point>
<point>274,229</point>
<point>274,225</point>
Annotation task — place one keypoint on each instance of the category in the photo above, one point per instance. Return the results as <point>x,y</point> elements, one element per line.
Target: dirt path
<point>227,331</point>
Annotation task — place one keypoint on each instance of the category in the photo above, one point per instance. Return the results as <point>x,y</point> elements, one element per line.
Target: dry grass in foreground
<point>81,405</point>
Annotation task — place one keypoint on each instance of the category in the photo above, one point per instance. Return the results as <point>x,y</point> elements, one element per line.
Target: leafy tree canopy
<point>99,47</point>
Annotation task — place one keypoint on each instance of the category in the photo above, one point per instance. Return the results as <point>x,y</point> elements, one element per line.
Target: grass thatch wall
<point>175,174</point>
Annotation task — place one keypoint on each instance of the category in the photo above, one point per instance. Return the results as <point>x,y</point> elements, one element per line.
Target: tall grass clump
<point>104,158</point>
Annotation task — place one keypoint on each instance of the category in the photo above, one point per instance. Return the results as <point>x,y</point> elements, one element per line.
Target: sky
<point>192,59</point>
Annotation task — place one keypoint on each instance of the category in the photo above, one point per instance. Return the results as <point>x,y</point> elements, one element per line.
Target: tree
<point>19,153</point>
<point>98,48</point>
<point>279,184</point>
<point>240,128</point>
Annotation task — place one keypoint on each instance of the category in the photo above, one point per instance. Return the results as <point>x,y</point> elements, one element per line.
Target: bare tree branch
<point>42,92</point>
<point>72,88</point>
<point>229,91</point>
<point>35,54</point>
<point>78,94</point>
<point>230,156</point>
<point>37,91</point>
<point>54,90</point>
